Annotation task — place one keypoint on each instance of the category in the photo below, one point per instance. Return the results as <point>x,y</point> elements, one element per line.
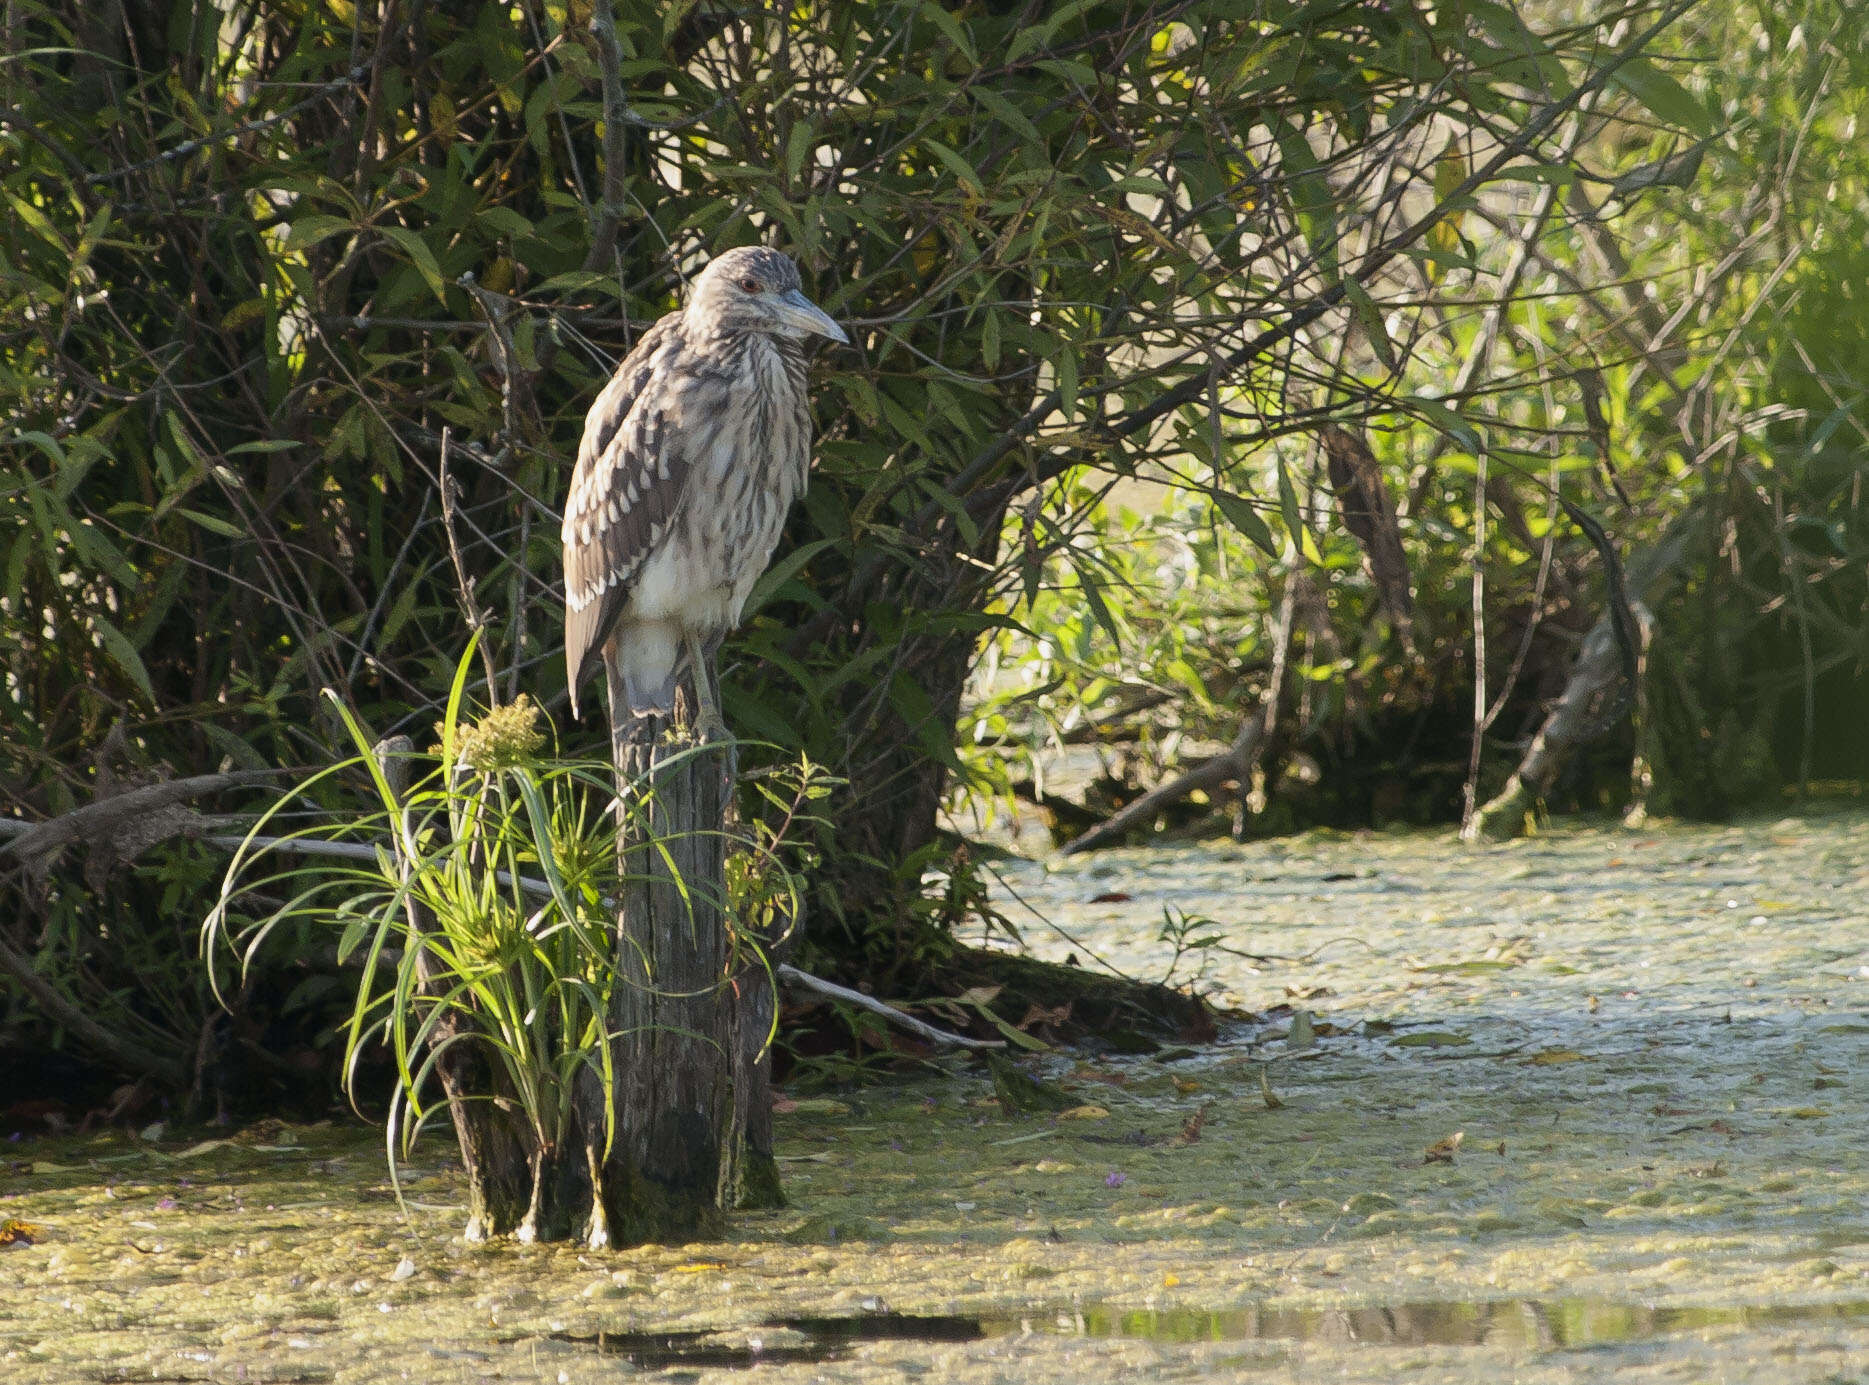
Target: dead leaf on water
<point>1442,1151</point>
<point>1084,1113</point>
<point>205,1147</point>
<point>1551,1057</point>
<point>14,1232</point>
<point>1431,1038</point>
<point>1272,1103</point>
<point>1191,1128</point>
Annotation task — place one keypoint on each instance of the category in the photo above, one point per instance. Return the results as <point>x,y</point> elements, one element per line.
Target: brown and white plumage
<point>690,458</point>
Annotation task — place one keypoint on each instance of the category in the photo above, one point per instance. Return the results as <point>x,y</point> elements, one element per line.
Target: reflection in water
<point>1528,1324</point>
<point>1522,1324</point>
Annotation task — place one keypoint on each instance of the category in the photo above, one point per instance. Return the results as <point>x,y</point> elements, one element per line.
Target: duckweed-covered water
<point>1583,1108</point>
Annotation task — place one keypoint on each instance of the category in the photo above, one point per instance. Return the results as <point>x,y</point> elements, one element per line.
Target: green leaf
<point>956,165</point>
<point>1288,505</point>
<point>123,653</point>
<point>1007,113</point>
<point>797,148</point>
<point>1091,585</point>
<point>1504,26</point>
<point>1244,516</point>
<point>1065,363</point>
<point>307,231</point>
<point>1667,98</point>
<point>424,258</point>
<point>1444,418</point>
<point>1370,316</point>
<point>780,573</point>
<point>214,524</point>
<point>937,15</point>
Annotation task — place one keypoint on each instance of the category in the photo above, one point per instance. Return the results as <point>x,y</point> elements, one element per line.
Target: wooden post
<point>674,1163</point>
<point>685,1133</point>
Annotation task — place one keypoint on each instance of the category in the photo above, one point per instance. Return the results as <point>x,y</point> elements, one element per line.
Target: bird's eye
<point>750,285</point>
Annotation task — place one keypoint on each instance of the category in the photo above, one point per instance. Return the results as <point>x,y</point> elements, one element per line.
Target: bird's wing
<point>632,468</point>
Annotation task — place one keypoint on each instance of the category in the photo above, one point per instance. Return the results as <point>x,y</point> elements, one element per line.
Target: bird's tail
<point>639,668</point>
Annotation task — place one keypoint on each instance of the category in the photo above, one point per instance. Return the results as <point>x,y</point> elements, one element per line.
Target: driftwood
<point>817,985</point>
<point>1236,762</point>
<point>123,826</point>
<point>114,830</point>
<point>1577,714</point>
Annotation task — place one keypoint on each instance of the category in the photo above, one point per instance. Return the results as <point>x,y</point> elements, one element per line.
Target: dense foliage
<point>303,305</point>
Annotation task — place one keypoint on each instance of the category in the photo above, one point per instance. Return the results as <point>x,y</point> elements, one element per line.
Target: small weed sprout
<point>1191,936</point>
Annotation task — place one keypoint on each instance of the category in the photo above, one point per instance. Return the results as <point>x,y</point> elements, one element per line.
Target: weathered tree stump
<point>502,1186</point>
<point>1572,719</point>
<point>674,1160</point>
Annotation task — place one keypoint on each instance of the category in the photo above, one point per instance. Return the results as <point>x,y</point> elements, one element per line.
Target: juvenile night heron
<point>691,456</point>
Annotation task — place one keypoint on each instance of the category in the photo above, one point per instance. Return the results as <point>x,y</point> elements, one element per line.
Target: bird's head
<point>754,289</point>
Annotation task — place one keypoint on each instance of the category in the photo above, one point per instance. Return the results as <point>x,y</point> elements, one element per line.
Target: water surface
<point>1651,1048</point>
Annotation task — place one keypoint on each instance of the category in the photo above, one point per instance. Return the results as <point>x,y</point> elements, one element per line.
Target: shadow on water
<point>781,1340</point>
<point>1527,1324</point>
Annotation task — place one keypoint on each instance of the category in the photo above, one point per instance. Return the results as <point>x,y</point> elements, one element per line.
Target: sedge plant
<point>474,895</point>
<point>477,894</point>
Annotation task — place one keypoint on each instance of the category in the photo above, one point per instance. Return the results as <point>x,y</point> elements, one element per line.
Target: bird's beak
<point>799,314</point>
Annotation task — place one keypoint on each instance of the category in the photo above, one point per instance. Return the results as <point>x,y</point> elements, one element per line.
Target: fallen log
<point>1575,718</point>
<point>1235,762</point>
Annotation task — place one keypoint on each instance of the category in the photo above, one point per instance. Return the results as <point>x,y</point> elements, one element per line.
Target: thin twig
<point>470,605</point>
<point>610,207</point>
<point>1470,794</point>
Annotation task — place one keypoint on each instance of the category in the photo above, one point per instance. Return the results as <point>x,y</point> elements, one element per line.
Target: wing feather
<point>631,472</point>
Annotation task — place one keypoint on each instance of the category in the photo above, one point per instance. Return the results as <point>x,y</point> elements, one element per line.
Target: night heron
<point>691,456</point>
